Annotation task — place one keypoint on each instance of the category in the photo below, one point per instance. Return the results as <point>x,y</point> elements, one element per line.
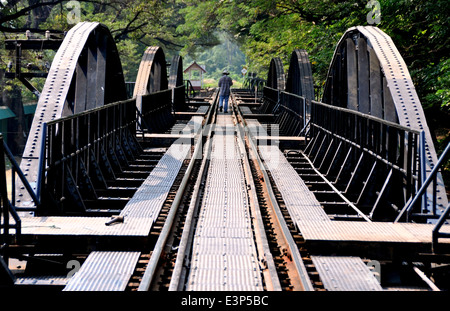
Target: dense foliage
<point>262,29</point>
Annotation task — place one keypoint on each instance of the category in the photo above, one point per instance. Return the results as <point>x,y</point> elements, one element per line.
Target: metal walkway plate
<point>140,212</point>
<point>381,232</point>
<point>104,271</point>
<point>311,219</point>
<point>345,274</point>
<point>224,253</point>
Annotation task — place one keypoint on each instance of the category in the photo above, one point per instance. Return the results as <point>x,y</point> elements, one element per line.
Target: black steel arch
<point>276,78</point>
<point>176,72</point>
<point>152,74</point>
<point>300,80</point>
<point>368,74</point>
<point>86,73</point>
<point>176,83</point>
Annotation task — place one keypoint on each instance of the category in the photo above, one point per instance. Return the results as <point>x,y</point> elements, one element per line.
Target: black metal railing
<point>254,84</point>
<point>291,111</point>
<point>432,180</point>
<point>270,101</point>
<point>88,151</point>
<point>8,210</point>
<point>376,164</point>
<point>179,98</point>
<point>83,151</point>
<point>189,90</point>
<point>156,111</point>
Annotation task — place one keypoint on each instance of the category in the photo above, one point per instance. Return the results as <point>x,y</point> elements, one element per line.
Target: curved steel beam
<point>176,72</point>
<point>152,74</point>
<point>85,73</point>
<point>300,80</point>
<point>368,74</point>
<point>276,78</point>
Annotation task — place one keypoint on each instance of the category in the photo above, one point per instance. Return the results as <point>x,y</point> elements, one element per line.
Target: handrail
<point>376,140</point>
<point>436,234</point>
<point>16,169</point>
<point>189,88</point>
<point>431,178</point>
<point>7,208</point>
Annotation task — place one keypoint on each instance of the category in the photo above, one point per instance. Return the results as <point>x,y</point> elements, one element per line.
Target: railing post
<point>423,170</point>
<point>4,194</point>
<point>436,234</point>
<point>431,178</point>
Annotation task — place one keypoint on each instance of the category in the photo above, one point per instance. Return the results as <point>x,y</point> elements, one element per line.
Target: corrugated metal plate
<point>224,251</point>
<point>223,246</point>
<point>300,201</point>
<point>85,226</point>
<point>104,271</point>
<point>216,272</point>
<point>366,232</point>
<point>225,232</point>
<point>42,280</point>
<point>345,274</point>
<point>203,109</point>
<point>148,200</point>
<point>424,231</point>
<point>218,279</point>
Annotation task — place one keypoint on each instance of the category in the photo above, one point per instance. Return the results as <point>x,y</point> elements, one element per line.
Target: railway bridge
<point>160,191</point>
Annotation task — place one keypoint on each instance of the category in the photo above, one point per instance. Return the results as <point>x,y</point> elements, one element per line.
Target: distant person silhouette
<point>225,83</point>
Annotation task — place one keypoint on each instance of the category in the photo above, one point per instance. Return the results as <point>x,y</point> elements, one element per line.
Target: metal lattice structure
<point>368,74</point>
<point>152,74</point>
<point>282,193</point>
<point>276,78</point>
<point>88,56</point>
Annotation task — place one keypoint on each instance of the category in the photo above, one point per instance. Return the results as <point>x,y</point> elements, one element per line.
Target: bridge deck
<point>345,274</point>
<point>224,252</point>
<point>104,271</point>
<point>311,219</point>
<point>139,213</point>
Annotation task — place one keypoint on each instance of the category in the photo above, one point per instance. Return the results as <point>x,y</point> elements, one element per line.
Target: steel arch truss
<point>276,81</point>
<point>368,75</point>
<point>88,57</point>
<point>152,74</point>
<point>300,79</point>
<point>276,78</point>
<point>152,93</point>
<point>176,82</point>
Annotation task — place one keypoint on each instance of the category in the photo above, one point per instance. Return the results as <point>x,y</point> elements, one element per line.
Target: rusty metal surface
<point>224,253</point>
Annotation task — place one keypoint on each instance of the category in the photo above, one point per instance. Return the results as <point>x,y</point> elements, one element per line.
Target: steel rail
<point>188,230</point>
<point>270,273</point>
<point>290,243</point>
<point>160,243</point>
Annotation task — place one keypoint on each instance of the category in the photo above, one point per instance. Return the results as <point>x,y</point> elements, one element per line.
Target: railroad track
<point>225,217</point>
<point>283,261</point>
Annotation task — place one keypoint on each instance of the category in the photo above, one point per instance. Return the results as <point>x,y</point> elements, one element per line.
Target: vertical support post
<point>4,194</point>
<point>423,169</point>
